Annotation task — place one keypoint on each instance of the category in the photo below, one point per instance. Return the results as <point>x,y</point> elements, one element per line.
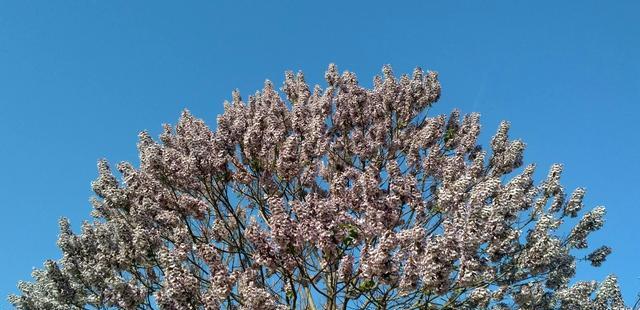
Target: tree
<point>342,198</point>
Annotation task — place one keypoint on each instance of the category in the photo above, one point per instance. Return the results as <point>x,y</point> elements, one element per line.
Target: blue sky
<point>80,79</point>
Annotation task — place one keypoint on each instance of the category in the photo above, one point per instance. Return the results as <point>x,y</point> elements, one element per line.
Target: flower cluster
<point>344,197</point>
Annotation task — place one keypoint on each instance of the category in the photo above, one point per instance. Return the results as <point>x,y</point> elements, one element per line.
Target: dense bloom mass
<point>335,198</point>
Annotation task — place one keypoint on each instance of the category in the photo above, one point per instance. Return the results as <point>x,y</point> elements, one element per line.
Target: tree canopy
<point>336,198</point>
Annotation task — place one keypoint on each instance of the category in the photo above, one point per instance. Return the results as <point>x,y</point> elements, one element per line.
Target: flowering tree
<point>342,198</point>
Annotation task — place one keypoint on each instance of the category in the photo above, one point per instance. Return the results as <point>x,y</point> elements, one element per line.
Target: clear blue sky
<point>80,79</point>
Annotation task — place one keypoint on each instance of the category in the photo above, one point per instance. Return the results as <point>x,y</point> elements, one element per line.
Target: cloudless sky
<point>80,79</point>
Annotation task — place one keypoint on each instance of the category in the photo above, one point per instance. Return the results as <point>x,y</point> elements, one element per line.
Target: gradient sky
<point>80,79</point>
